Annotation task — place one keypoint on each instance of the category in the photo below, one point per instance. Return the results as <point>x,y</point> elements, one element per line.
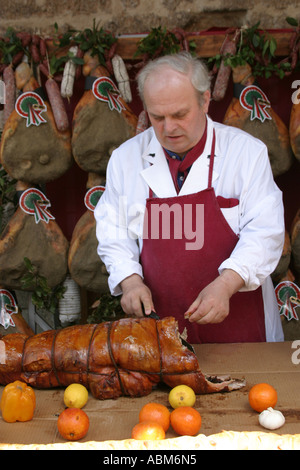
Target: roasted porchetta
<point>125,357</point>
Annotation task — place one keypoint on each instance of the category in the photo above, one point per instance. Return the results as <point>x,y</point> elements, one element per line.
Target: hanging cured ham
<point>295,244</point>
<point>11,319</point>
<point>102,120</point>
<point>125,357</point>
<point>33,151</point>
<point>85,266</point>
<point>295,129</point>
<point>35,235</point>
<point>282,268</point>
<point>32,148</point>
<point>251,111</point>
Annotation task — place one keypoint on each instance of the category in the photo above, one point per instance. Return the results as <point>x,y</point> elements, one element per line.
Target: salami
<point>122,77</point>
<point>67,83</point>
<point>57,105</point>
<point>224,72</point>
<point>35,53</point>
<point>143,122</point>
<point>43,48</point>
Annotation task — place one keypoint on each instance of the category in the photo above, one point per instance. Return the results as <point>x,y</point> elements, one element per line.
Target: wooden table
<point>275,363</point>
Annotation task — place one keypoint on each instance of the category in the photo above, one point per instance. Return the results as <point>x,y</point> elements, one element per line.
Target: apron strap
<point>211,160</point>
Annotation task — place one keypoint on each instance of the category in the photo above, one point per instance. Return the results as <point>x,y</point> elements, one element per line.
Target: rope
<point>53,357</point>
<point>112,356</point>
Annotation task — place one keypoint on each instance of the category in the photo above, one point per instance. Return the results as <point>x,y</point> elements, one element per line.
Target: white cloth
<point>241,170</point>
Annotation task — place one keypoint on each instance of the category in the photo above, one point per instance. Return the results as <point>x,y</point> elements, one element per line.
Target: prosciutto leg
<point>125,357</point>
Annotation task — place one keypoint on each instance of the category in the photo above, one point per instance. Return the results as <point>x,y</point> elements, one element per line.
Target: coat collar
<point>158,176</point>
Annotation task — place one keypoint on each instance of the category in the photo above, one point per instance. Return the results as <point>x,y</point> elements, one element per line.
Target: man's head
<point>175,92</point>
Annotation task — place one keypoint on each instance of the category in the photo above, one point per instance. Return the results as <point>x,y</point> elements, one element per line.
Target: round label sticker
<point>288,299</point>
<point>105,90</point>
<point>34,202</point>
<point>8,307</point>
<point>255,100</point>
<point>30,105</point>
<point>92,197</point>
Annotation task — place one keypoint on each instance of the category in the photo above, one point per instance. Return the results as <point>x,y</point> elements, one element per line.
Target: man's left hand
<point>212,304</point>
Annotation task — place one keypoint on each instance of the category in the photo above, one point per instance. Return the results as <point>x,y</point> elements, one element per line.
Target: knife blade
<point>183,341</point>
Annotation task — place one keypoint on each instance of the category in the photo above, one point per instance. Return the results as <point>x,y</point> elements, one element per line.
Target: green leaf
<point>273,47</point>
<point>28,278</point>
<point>84,46</point>
<point>36,301</point>
<point>39,292</point>
<point>292,21</point>
<point>28,264</point>
<point>255,40</point>
<point>265,47</point>
<point>77,60</point>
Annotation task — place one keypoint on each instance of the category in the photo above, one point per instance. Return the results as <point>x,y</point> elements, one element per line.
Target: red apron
<point>176,275</point>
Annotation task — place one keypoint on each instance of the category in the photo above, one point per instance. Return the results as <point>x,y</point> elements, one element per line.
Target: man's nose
<point>170,125</point>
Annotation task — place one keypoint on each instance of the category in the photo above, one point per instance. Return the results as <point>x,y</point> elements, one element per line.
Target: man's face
<point>174,110</point>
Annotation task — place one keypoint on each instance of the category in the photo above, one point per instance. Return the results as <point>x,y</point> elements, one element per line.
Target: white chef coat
<point>241,170</point>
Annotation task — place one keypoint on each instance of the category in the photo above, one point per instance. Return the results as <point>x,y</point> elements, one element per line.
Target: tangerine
<point>186,421</point>
<point>148,430</point>
<point>73,424</point>
<point>262,396</point>
<point>156,412</point>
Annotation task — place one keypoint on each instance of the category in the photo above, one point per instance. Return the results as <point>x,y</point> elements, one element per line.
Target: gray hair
<point>182,62</point>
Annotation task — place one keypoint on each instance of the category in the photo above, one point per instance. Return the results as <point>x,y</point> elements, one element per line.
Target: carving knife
<point>184,342</point>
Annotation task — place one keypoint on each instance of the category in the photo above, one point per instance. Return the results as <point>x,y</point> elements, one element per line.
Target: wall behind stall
<point>135,16</point>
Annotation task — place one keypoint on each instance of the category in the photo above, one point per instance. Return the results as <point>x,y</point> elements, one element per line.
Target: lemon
<point>182,395</point>
<point>75,396</point>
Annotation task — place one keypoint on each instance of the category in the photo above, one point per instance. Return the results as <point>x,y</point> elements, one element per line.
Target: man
<point>191,221</point>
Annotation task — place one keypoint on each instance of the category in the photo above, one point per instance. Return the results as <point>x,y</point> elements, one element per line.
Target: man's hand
<point>212,304</point>
<point>136,294</point>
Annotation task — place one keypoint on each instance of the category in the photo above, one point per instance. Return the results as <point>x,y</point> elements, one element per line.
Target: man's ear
<point>206,100</point>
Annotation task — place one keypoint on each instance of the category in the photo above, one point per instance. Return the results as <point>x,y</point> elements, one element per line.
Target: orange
<point>262,396</point>
<point>156,412</point>
<point>148,430</point>
<point>186,421</point>
<point>73,424</point>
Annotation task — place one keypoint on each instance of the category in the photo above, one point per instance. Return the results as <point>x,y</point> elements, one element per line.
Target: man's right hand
<point>135,295</point>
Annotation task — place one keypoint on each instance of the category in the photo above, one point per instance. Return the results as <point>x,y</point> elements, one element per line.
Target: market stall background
<point>272,54</point>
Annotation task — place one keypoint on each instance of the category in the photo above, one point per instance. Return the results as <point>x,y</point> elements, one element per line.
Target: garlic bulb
<point>271,419</point>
